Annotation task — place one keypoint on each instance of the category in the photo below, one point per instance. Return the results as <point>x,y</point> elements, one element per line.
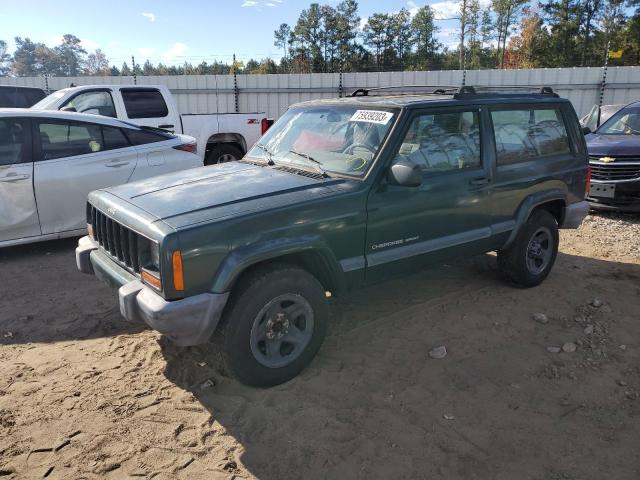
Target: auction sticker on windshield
<point>372,116</point>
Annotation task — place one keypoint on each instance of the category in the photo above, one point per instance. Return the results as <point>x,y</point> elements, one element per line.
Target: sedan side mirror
<point>586,130</point>
<point>405,173</point>
<point>68,109</point>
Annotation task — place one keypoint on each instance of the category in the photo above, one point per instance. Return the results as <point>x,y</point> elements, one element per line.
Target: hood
<point>212,193</point>
<point>612,145</point>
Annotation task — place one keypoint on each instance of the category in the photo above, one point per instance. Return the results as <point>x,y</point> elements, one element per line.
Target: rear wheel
<point>273,326</point>
<point>530,258</point>
<point>222,153</point>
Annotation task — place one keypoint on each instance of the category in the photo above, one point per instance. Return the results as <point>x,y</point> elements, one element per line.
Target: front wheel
<point>530,258</point>
<point>273,327</point>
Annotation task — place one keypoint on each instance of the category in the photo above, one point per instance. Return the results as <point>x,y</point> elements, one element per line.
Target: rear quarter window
<point>144,103</point>
<point>143,137</point>
<point>523,134</point>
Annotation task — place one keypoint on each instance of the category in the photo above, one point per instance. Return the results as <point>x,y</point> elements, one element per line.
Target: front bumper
<point>626,199</point>
<point>190,321</point>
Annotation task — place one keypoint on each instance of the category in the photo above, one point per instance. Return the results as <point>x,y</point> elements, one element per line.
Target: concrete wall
<point>274,93</point>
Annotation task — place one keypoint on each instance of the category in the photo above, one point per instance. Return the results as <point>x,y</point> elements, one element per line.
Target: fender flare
<point>528,205</point>
<point>247,256</point>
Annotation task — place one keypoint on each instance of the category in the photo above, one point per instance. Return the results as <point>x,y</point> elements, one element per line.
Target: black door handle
<point>165,126</point>
<point>476,182</point>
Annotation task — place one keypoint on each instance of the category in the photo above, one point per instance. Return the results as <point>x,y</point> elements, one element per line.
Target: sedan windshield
<point>336,138</point>
<point>625,122</point>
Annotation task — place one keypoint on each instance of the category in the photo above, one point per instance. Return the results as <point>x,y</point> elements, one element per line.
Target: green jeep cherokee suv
<point>337,194</point>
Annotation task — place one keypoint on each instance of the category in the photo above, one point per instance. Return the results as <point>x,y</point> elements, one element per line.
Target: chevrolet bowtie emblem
<point>607,159</point>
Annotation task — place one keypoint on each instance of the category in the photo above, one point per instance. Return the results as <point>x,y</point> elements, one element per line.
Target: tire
<point>528,261</point>
<point>256,338</point>
<point>222,153</point>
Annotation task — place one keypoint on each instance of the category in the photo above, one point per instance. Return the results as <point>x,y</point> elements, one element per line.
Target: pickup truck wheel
<point>222,153</point>
<point>273,326</point>
<point>528,261</point>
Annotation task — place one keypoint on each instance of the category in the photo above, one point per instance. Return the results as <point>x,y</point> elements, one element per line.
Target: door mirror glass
<point>405,173</point>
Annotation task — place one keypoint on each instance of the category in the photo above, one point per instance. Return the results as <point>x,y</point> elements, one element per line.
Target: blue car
<point>614,157</point>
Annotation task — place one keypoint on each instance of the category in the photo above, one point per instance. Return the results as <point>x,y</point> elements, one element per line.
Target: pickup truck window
<point>144,103</point>
<point>66,139</point>
<point>94,102</point>
<point>340,138</point>
<point>442,142</point>
<point>524,134</point>
<point>11,141</point>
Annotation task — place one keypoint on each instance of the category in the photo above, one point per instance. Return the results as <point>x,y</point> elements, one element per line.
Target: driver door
<point>450,212</point>
<point>18,210</point>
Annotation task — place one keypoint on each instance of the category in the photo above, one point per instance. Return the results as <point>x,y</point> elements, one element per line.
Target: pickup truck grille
<point>623,168</point>
<point>123,244</point>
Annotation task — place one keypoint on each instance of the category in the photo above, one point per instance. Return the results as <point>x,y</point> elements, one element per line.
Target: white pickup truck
<point>220,137</point>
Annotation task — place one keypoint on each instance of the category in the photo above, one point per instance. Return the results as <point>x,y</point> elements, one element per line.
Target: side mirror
<point>586,130</point>
<point>405,173</point>
<point>68,109</point>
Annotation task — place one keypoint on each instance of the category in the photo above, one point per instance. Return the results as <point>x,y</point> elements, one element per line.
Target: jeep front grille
<point>123,244</point>
<point>622,168</point>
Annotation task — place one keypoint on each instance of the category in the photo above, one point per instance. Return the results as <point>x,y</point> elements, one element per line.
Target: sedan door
<point>73,159</point>
<point>18,210</point>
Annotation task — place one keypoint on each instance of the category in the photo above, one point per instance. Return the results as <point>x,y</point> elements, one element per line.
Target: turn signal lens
<point>588,186</point>
<point>178,277</point>
<point>151,279</point>
<point>90,230</point>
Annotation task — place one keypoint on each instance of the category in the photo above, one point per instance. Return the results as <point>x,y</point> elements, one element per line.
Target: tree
<point>507,12</point>
<point>376,35</point>
<point>97,63</point>
<point>562,19</point>
<point>282,36</point>
<point>125,71</point>
<point>349,52</point>
<point>464,20</point>
<point>5,58</point>
<point>71,55</point>
<point>25,62</point>
<point>402,34</point>
<point>526,49</point>
<point>425,37</point>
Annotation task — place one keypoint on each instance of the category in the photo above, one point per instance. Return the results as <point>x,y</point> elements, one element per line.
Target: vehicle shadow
<point>45,298</point>
<point>371,404</point>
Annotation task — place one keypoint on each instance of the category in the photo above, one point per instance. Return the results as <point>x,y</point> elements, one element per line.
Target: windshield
<point>625,122</point>
<point>48,103</point>
<point>335,138</point>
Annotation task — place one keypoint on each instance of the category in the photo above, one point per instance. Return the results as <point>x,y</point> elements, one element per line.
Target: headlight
<point>150,271</point>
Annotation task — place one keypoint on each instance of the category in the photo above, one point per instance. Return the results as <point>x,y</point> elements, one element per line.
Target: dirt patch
<point>84,394</point>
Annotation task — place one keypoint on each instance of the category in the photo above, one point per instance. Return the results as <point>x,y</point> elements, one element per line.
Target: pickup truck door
<point>150,107</point>
<point>18,210</point>
<point>72,159</point>
<point>450,212</point>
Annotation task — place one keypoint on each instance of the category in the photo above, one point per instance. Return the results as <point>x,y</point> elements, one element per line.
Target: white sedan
<point>50,161</point>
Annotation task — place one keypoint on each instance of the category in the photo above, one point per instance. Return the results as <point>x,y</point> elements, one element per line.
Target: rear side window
<point>12,141</point>
<point>66,139</point>
<point>114,138</point>
<point>142,137</point>
<point>144,103</point>
<point>524,134</point>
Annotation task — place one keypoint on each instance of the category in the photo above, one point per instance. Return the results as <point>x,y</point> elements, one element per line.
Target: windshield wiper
<point>268,152</point>
<point>309,158</point>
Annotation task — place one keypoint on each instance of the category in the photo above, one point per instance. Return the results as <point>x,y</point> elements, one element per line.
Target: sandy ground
<point>84,394</point>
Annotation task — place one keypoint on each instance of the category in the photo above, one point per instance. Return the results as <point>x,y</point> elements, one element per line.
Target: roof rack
<point>437,89</point>
<point>459,92</point>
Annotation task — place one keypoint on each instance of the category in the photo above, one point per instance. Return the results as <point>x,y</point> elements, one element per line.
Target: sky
<point>186,30</point>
